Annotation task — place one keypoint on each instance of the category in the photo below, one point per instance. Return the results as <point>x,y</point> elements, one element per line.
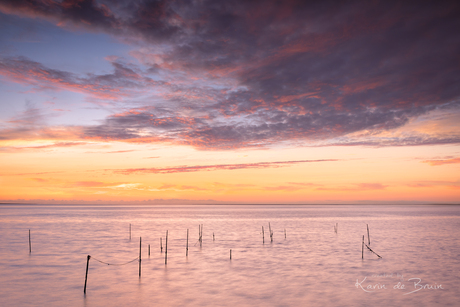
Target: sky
<point>284,102</point>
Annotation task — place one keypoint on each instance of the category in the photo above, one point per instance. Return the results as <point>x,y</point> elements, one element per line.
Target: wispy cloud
<point>442,161</point>
<point>111,152</point>
<point>435,183</point>
<point>177,187</point>
<point>39,147</point>
<point>355,187</point>
<point>216,167</point>
<point>56,182</point>
<point>122,82</point>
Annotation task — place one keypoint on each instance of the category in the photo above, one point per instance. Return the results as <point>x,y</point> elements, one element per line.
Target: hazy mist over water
<point>311,266</point>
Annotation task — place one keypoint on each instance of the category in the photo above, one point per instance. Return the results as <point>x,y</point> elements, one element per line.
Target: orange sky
<point>293,102</point>
<point>111,172</point>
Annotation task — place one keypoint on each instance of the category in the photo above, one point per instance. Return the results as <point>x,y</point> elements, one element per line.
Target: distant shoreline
<point>172,203</point>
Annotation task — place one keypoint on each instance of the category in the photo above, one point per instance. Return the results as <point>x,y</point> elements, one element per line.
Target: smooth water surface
<point>307,264</point>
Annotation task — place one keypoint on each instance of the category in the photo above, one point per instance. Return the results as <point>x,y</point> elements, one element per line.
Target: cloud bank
<point>235,74</point>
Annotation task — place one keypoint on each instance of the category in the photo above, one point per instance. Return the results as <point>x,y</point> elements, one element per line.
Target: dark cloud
<point>251,73</point>
<point>112,86</point>
<point>86,13</point>
<point>378,141</point>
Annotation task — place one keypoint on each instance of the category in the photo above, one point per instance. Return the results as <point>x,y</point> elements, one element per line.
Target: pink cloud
<point>357,187</point>
<point>442,162</point>
<point>197,168</point>
<point>38,147</point>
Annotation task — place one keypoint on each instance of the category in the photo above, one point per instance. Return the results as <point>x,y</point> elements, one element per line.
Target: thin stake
<point>362,249</point>
<point>140,255</point>
<point>161,244</point>
<point>271,233</point>
<point>368,237</point>
<point>30,244</point>
<point>230,254</point>
<point>201,236</point>
<point>186,250</point>
<point>86,276</point>
<point>199,233</point>
<point>149,249</point>
<point>213,238</point>
<point>263,235</point>
<point>166,248</point>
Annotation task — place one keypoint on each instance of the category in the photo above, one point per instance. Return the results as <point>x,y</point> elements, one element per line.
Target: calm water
<point>312,266</point>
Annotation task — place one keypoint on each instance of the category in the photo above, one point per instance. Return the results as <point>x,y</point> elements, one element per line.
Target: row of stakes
<point>200,240</point>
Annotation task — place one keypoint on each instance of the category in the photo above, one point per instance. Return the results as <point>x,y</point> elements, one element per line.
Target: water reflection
<point>313,265</point>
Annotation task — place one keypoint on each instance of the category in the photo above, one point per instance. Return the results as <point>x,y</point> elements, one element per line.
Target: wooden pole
<point>213,238</point>
<point>230,254</point>
<point>368,237</point>
<point>186,250</point>
<point>86,276</point>
<point>140,255</point>
<point>30,244</point>
<point>362,249</point>
<point>161,244</point>
<point>201,235</point>
<point>166,248</point>
<point>263,235</point>
<point>149,249</point>
<point>271,233</point>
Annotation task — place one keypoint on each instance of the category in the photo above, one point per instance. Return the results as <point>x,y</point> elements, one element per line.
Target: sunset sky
<point>229,101</point>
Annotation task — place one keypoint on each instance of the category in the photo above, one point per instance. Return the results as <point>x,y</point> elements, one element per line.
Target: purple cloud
<point>252,73</point>
<point>215,167</point>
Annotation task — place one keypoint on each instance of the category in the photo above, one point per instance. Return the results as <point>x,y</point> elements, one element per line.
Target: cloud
<point>372,186</point>
<point>112,152</point>
<point>87,184</point>
<point>435,183</point>
<point>216,167</point>
<point>292,186</point>
<point>357,187</point>
<point>85,13</point>
<point>235,185</point>
<point>48,146</point>
<point>90,184</point>
<point>29,174</point>
<point>288,188</point>
<point>238,74</point>
<point>124,81</point>
<point>416,139</point>
<point>176,187</point>
<point>442,162</point>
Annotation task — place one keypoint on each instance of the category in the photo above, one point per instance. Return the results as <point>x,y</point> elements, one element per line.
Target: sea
<point>237,255</point>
